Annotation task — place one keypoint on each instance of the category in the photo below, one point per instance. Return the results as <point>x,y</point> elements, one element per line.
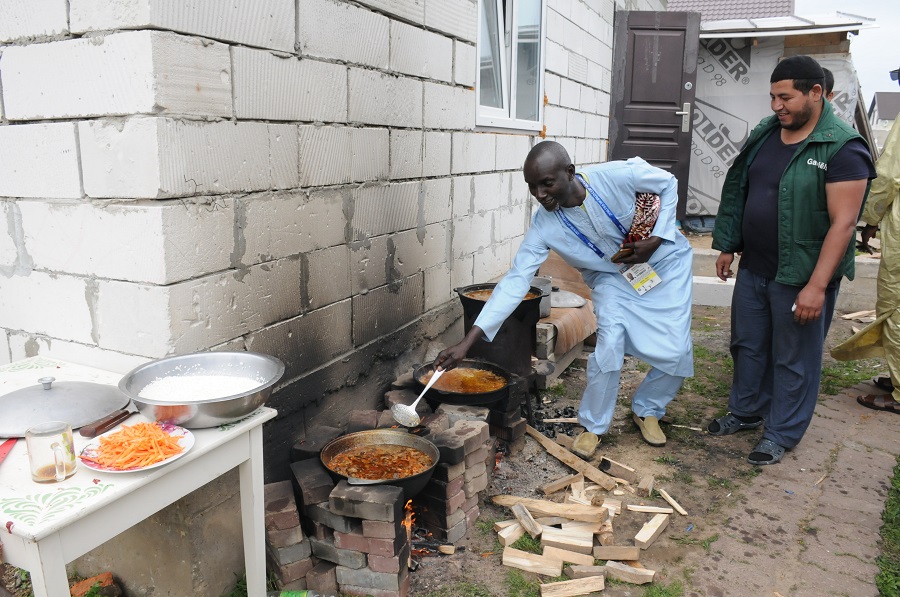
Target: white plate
<point>185,440</point>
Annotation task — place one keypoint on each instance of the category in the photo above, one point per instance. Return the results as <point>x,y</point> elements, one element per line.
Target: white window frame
<point>488,116</point>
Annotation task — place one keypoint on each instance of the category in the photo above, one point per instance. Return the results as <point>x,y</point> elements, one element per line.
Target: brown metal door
<point>654,76</point>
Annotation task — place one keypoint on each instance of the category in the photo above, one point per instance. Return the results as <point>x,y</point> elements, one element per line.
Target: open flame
<point>408,519</point>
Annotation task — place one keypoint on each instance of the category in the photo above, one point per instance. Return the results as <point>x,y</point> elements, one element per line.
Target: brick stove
<point>335,537</point>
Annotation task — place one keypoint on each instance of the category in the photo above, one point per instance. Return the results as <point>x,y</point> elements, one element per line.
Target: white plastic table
<point>45,526</point>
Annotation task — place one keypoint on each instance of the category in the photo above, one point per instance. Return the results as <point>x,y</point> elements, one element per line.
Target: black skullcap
<point>797,67</point>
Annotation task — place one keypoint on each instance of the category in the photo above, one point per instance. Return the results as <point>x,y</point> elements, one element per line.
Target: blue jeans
<point>777,361</point>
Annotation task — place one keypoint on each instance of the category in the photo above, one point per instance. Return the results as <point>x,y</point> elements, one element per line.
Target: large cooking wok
<point>410,485</point>
<point>459,398</point>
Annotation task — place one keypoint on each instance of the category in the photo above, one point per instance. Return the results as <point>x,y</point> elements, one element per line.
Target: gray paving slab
<point>809,525</point>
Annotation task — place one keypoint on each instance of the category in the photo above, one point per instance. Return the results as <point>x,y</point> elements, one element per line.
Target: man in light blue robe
<point>654,326</point>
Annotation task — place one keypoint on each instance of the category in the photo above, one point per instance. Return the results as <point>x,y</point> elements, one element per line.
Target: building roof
<point>784,25</point>
<point>716,10</point>
<point>888,104</point>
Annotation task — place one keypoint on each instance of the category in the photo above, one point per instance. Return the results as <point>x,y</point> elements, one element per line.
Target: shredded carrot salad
<point>135,446</point>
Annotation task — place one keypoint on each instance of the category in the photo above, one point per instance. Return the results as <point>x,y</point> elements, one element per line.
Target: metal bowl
<point>210,412</point>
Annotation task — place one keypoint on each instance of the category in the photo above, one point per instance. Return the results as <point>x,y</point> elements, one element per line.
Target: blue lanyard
<point>562,217</point>
<point>603,205</point>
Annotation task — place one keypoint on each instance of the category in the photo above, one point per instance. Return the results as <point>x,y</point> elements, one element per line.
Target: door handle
<point>685,114</point>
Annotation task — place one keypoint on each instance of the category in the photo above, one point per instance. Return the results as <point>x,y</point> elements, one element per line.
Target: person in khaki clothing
<point>882,337</point>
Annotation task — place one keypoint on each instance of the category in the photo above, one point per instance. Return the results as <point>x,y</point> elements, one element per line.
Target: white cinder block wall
<point>301,177</point>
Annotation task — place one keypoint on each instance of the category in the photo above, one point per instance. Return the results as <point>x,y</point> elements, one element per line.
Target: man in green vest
<point>790,204</point>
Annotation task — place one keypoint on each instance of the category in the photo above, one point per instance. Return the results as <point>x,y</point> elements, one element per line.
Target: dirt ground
<point>705,475</point>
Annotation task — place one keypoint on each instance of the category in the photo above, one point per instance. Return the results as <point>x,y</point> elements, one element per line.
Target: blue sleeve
<point>510,291</point>
<point>851,162</point>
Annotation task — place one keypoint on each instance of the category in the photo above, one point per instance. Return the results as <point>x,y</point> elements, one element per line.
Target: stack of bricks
<point>448,505</point>
<point>356,534</point>
<point>505,417</point>
<point>288,551</point>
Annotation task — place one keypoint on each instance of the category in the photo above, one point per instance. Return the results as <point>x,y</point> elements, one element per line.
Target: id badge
<point>641,276</point>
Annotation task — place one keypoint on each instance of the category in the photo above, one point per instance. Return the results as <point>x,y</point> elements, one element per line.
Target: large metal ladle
<point>407,415</point>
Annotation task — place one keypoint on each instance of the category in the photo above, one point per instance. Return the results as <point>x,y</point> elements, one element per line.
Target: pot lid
<point>76,402</point>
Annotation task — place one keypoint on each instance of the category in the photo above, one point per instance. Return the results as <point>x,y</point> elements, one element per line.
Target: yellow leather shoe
<point>585,444</point>
<point>650,430</point>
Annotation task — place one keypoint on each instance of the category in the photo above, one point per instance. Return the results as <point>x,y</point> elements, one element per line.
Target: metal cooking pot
<point>459,398</point>
<point>411,486</point>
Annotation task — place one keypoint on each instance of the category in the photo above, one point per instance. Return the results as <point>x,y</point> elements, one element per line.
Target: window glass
<point>528,55</point>
<point>491,93</point>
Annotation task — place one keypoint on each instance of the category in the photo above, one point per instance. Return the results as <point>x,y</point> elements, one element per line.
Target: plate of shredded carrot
<point>137,447</point>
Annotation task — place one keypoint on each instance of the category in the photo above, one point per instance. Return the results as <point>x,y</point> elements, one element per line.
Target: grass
<point>519,586</point>
<point>704,543</point>
<point>846,374</point>
<point>888,578</point>
<point>713,371</point>
<point>526,543</point>
<point>717,482</point>
<point>675,589</point>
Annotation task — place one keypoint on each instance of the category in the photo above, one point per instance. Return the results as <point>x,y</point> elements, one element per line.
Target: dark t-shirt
<point>760,224</point>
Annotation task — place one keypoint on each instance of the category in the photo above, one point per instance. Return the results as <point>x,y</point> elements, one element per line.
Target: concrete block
<point>383,530</point>
<point>326,279</point>
<point>102,239</point>
<point>462,271</point>
<point>441,519</point>
<point>29,151</point>
<point>464,63</point>
<point>589,100</point>
<point>384,209</point>
<point>555,120</point>
<point>448,107</point>
<point>369,263</point>
<point>278,538</point>
<point>420,249</point>
<point>369,154</point>
<point>557,60</point>
<point>407,154</point>
<point>312,481</point>
<point>32,18</point>
<point>387,308</point>
<point>323,579</point>
<point>473,152</point>
<point>372,502</point>
<point>5,351</point>
<point>437,194</point>
<point>420,53</point>
<point>310,444</point>
<point>453,534</point>
<point>436,157</point>
<point>492,262</point>
<point>290,571</point>
<point>408,10</point>
<point>370,545</point>
<point>326,334</point>
<point>365,577</point>
<point>377,98</point>
<point>458,18</point>
<point>463,413</point>
<point>438,287</point>
<point>324,155</point>
<point>134,72</point>
<point>570,94</point>
<point>280,508</point>
<point>711,291</point>
<point>436,423</point>
<point>322,513</point>
<point>443,490</point>
<point>511,151</point>
<point>579,69</point>
<point>443,506</point>
<point>471,233</point>
<point>54,305</point>
<point>407,397</point>
<point>23,345</point>
<point>265,24</point>
<point>362,420</point>
<point>512,221</point>
<point>390,564</point>
<point>273,87</point>
<point>332,30</point>
<point>487,191</point>
<point>321,532</point>
<point>345,558</point>
<point>552,85</point>
<point>476,484</point>
<point>478,457</point>
<point>575,123</point>
<point>462,196</point>
<point>475,470</point>
<point>159,157</point>
<point>277,225</point>
<point>197,313</point>
<point>446,472</point>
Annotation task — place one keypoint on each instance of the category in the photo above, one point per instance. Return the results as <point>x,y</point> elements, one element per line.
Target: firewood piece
<point>579,524</point>
<point>649,509</point>
<point>613,505</point>
<point>571,460</point>
<point>502,524</point>
<point>548,521</point>
<point>634,564</point>
<point>650,531</point>
<point>577,487</point>
<point>672,502</point>
<point>617,469</point>
<point>573,557</point>
<point>447,549</point>
<point>565,441</point>
<point>577,540</point>
<point>526,520</point>
<point>530,562</point>
<point>571,588</point>
<point>571,499</point>
<point>576,571</point>
<point>645,487</point>
<point>623,572</point>
<point>547,508</point>
<point>511,534</point>
<point>561,483</point>
<point>605,533</point>
<point>561,420</point>
<point>856,314</point>
<point>616,552</point>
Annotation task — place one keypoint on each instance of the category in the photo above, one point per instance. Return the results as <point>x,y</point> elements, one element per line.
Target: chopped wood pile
<point>579,529</point>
